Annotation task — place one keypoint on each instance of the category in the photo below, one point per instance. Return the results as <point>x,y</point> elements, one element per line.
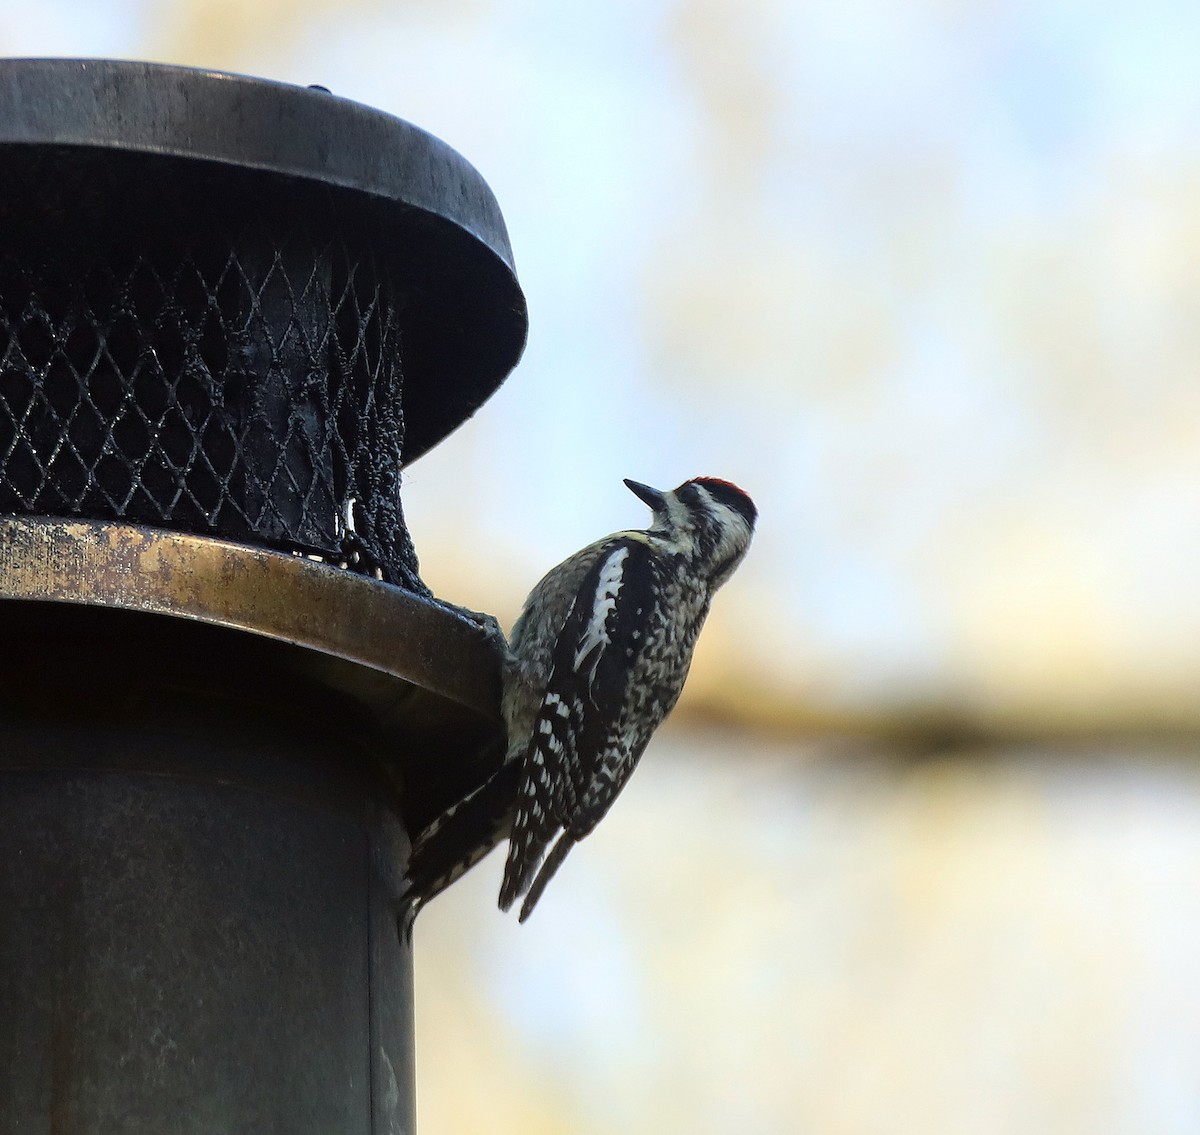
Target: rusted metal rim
<point>286,598</point>
<point>304,132</point>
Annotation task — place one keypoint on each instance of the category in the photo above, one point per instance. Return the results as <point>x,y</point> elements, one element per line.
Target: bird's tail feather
<point>552,862</point>
<point>461,836</point>
<point>533,828</point>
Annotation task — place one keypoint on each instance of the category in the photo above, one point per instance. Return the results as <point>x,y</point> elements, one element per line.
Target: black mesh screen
<point>200,348</point>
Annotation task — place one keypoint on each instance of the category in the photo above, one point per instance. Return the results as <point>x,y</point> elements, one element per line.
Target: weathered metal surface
<point>197,916</point>
<point>304,132</point>
<point>288,598</point>
<point>209,757</point>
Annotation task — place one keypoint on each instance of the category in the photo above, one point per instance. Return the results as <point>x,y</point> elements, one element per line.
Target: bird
<point>596,661</point>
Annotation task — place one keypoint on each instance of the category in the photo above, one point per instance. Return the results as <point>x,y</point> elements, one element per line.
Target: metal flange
<point>421,676</point>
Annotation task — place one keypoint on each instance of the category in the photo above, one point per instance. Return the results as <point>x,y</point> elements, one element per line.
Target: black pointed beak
<point>646,494</point>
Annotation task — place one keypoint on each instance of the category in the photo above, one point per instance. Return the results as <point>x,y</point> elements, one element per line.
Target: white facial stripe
<point>706,498</point>
<point>677,512</point>
<point>734,528</point>
<point>607,589</point>
<point>676,524</point>
<point>730,519</point>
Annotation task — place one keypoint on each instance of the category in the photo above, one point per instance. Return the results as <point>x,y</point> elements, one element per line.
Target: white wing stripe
<point>608,587</point>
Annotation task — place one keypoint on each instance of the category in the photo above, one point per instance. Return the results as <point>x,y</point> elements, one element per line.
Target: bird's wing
<point>577,756</point>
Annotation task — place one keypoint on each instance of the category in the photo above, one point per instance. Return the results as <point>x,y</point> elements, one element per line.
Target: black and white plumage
<point>595,662</point>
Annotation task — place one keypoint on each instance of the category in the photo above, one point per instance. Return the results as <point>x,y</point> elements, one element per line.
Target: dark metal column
<point>214,732</point>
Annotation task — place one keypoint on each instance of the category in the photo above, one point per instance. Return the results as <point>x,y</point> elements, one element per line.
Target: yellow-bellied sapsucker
<point>596,660</point>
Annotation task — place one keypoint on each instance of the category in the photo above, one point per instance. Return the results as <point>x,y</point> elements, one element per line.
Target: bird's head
<point>705,518</point>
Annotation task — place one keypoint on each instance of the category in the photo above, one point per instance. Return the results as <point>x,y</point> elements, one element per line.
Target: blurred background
<point>920,849</point>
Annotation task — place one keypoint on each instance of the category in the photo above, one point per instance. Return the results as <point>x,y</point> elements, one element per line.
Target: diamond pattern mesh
<point>203,349</point>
